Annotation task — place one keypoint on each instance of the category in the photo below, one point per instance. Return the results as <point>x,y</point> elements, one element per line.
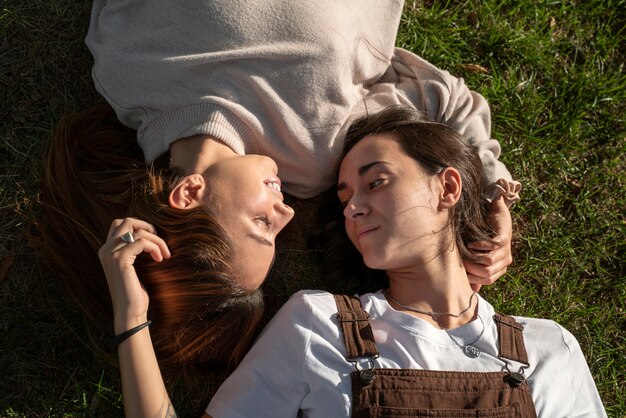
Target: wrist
<point>124,323</point>
<point>115,341</point>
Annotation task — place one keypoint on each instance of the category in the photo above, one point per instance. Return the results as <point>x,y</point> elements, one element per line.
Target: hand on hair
<point>492,258</point>
<point>130,299</point>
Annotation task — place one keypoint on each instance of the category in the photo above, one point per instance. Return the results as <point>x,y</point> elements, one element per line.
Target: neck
<point>195,154</point>
<point>439,285</point>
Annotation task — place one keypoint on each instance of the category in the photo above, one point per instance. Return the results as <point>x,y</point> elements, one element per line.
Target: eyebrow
<point>260,239</point>
<point>361,171</point>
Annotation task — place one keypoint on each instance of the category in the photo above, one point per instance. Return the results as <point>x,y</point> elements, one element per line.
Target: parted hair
<point>95,173</point>
<point>434,147</point>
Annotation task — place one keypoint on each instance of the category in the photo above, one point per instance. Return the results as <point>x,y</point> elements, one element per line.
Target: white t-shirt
<point>299,362</point>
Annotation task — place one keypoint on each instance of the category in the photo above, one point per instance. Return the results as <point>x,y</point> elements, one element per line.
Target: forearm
<point>143,388</point>
<point>142,384</point>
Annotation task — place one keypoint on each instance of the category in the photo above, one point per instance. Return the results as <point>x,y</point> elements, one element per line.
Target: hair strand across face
<point>434,147</point>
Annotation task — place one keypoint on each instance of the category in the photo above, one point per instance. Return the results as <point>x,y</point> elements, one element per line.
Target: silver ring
<point>127,237</point>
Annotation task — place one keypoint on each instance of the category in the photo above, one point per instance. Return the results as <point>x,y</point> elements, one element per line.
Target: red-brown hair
<point>95,173</point>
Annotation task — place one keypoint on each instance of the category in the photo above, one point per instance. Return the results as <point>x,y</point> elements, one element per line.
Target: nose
<point>354,209</point>
<point>284,214</point>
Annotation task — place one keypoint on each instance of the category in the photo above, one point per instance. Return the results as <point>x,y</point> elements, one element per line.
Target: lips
<point>274,184</point>
<point>365,230</point>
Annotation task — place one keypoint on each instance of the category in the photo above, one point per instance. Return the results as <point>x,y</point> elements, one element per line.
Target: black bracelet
<point>113,342</point>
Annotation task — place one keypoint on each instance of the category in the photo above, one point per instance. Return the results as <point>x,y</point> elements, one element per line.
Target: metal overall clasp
<point>515,379</point>
<point>366,370</point>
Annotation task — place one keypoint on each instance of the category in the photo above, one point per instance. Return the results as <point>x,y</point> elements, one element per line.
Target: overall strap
<point>511,339</point>
<point>357,332</point>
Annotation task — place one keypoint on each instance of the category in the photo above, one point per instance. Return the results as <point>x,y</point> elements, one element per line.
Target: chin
<point>374,262</point>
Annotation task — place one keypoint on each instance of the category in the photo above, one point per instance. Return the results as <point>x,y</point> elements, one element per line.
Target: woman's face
<point>245,192</point>
<point>390,204</point>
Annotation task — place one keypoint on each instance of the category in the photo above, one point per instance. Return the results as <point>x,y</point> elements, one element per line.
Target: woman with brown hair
<point>428,345</point>
<point>209,95</point>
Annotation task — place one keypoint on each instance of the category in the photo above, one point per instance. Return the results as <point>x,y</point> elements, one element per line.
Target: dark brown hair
<point>95,173</point>
<point>434,147</point>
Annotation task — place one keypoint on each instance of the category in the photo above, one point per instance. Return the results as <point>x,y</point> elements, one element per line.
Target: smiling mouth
<point>273,183</point>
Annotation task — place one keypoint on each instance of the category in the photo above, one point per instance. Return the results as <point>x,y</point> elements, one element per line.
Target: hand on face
<point>492,258</point>
<point>130,299</point>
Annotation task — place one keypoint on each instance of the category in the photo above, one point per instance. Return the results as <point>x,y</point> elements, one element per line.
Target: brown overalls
<point>399,393</point>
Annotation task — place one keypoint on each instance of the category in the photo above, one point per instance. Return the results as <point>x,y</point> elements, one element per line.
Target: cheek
<point>252,196</point>
<point>350,230</point>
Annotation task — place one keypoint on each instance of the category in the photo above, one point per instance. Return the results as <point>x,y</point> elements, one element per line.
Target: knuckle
<point>491,279</point>
<point>489,259</point>
<point>489,273</point>
<point>494,277</point>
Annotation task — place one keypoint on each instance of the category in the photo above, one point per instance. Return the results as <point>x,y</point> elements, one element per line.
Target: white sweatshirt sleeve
<point>411,80</point>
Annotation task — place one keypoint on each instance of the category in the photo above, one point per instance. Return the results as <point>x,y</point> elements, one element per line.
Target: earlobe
<point>188,192</point>
<point>451,187</point>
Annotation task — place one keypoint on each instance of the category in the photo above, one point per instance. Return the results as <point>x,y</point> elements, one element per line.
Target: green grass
<point>556,83</point>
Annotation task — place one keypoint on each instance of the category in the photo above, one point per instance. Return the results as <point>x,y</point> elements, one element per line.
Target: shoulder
<point>296,321</point>
<point>322,303</point>
<point>303,309</point>
<point>548,334</point>
<point>559,377</point>
<point>310,300</point>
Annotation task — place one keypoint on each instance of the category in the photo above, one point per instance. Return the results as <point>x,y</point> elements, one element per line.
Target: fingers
<point>121,226</point>
<point>485,279</point>
<point>491,261</point>
<point>491,258</point>
<point>488,266</point>
<point>145,242</point>
<point>497,242</point>
<point>144,235</point>
<point>130,299</point>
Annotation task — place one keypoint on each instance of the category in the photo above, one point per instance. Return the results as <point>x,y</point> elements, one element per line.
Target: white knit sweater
<point>283,78</point>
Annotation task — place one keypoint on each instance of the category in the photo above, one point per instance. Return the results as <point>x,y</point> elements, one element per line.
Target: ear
<point>451,187</point>
<point>188,192</point>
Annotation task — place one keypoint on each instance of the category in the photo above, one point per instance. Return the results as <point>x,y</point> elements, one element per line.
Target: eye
<point>374,184</point>
<point>264,219</point>
<point>344,199</point>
